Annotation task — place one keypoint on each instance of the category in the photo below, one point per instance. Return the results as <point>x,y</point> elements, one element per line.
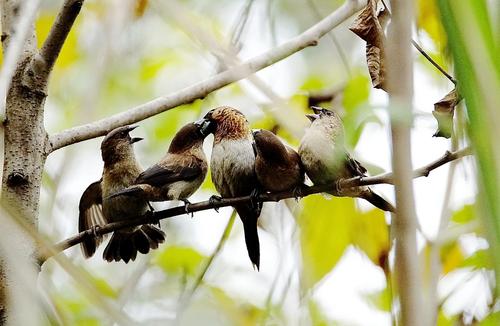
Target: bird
<point>232,165</point>
<point>178,174</point>
<point>326,160</point>
<point>278,167</point>
<point>96,209</point>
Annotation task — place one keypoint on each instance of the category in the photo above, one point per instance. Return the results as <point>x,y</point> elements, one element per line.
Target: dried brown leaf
<point>367,25</point>
<point>370,25</point>
<point>375,59</point>
<point>443,112</point>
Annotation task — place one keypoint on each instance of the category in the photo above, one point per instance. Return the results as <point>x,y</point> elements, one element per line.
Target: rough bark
<point>24,147</point>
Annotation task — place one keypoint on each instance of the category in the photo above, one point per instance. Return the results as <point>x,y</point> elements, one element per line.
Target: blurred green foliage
<point>179,260</point>
<point>328,227</point>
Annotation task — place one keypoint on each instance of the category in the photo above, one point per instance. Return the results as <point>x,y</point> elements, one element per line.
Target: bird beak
<point>135,139</point>
<point>312,117</point>
<point>317,109</point>
<point>130,128</point>
<point>205,127</point>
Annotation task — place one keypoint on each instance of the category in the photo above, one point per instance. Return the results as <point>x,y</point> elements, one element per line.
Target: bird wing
<point>354,167</point>
<point>159,175</point>
<point>91,214</point>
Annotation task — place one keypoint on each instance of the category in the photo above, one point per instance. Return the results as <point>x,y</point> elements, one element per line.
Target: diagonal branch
<point>386,178</point>
<point>42,64</point>
<point>201,89</point>
<point>59,32</point>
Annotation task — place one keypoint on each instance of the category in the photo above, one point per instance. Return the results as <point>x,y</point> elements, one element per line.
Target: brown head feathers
<point>229,123</point>
<point>186,138</point>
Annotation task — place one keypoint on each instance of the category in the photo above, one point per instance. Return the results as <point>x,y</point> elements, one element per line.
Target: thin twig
<point>154,217</point>
<point>428,57</point>
<point>434,63</point>
<point>201,89</point>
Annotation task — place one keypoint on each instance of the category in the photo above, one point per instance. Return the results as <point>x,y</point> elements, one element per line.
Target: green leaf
<point>317,316</point>
<point>492,319</point>
<point>179,260</point>
<point>357,111</point>
<point>370,233</point>
<point>464,215</point>
<point>479,259</point>
<point>328,227</point>
<point>104,288</point>
<point>452,257</point>
<point>381,299</point>
<point>356,92</point>
<point>444,320</point>
<point>428,20</point>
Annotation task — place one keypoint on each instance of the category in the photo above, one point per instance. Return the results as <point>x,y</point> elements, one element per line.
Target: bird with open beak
<point>178,174</point>
<point>96,208</point>
<point>326,160</point>
<point>277,166</point>
<point>233,168</point>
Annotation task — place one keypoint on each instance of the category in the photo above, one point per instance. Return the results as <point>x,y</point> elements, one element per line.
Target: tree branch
<point>386,178</point>
<point>404,222</point>
<point>37,73</point>
<point>59,31</point>
<point>434,63</point>
<point>201,89</point>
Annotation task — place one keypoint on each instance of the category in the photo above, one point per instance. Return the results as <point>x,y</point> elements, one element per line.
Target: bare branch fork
<point>201,89</point>
<point>386,178</point>
<point>37,72</point>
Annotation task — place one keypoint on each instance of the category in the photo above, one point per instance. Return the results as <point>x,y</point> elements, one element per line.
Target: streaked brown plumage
<point>233,168</point>
<point>326,160</point>
<point>96,208</point>
<point>277,166</point>
<point>178,174</point>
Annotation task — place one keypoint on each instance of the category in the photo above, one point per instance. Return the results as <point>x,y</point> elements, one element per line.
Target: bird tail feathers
<point>125,245</point>
<point>377,201</point>
<point>249,216</point>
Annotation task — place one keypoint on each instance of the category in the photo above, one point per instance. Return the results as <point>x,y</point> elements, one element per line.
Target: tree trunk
<point>25,144</point>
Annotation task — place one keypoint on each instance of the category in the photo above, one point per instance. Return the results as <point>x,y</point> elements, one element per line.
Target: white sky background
<point>341,294</point>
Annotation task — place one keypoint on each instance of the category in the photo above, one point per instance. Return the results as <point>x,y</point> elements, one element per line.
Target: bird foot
<point>187,204</point>
<point>337,187</point>
<point>213,200</point>
<point>298,191</point>
<point>152,218</point>
<point>95,229</point>
<point>254,195</point>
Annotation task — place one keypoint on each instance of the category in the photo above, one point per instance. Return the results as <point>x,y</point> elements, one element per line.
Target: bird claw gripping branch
<point>187,204</point>
<point>213,200</point>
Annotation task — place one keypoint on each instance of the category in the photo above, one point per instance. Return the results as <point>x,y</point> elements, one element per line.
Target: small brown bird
<point>233,168</point>
<point>96,208</point>
<point>178,174</point>
<point>326,160</point>
<point>277,166</point>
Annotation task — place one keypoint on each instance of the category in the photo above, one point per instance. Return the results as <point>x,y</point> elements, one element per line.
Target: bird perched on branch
<point>277,166</point>
<point>233,168</point>
<point>96,208</point>
<point>326,160</point>
<point>178,174</point>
